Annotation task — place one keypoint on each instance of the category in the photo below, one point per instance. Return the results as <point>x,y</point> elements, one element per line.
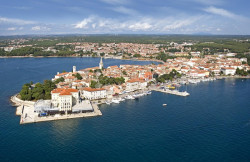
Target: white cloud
<point>4,20</point>
<point>40,28</point>
<point>36,28</point>
<point>224,13</point>
<point>140,24</point>
<point>84,23</point>
<point>11,29</point>
<point>175,24</point>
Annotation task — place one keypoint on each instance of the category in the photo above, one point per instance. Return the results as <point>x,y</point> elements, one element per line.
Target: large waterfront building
<point>64,99</point>
<point>135,84</point>
<point>93,93</point>
<point>228,70</point>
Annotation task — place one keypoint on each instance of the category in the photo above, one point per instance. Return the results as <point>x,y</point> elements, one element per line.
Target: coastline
<point>27,107</point>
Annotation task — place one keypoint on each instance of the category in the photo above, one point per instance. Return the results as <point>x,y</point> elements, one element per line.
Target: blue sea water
<point>212,124</point>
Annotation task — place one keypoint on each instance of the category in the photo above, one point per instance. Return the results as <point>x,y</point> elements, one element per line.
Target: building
<point>228,71</point>
<point>195,54</point>
<point>93,93</point>
<point>101,64</point>
<point>178,54</point>
<point>60,75</point>
<point>64,99</point>
<point>135,84</point>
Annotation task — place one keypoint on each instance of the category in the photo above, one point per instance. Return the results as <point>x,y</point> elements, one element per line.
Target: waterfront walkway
<point>26,110</point>
<point>174,92</point>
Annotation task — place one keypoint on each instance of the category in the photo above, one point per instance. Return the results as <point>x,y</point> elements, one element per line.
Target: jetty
<point>174,92</point>
<point>26,110</point>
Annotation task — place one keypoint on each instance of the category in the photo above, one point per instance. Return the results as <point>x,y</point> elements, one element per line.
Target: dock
<point>174,92</point>
<point>26,110</point>
<point>28,115</point>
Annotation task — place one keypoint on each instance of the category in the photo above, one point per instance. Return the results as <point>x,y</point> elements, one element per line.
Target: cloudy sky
<point>125,16</point>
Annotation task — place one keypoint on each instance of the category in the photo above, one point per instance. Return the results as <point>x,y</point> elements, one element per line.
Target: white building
<point>228,71</point>
<point>64,99</point>
<point>135,84</point>
<point>60,75</point>
<point>94,93</point>
<point>195,54</point>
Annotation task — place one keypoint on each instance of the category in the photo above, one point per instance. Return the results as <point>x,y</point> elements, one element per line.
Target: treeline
<point>172,75</point>
<point>27,51</point>
<point>162,56</point>
<point>47,41</point>
<point>104,80</point>
<point>242,72</point>
<point>233,46</point>
<point>38,91</point>
<point>244,56</point>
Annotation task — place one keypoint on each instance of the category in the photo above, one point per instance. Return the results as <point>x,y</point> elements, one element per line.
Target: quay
<point>26,110</point>
<point>174,92</point>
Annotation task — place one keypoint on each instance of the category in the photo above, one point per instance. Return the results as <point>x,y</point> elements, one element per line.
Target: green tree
<point>78,76</point>
<point>59,80</point>
<point>93,84</point>
<point>38,91</point>
<point>124,72</point>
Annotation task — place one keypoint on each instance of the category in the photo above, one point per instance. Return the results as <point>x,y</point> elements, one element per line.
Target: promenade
<point>26,110</point>
<point>174,92</point>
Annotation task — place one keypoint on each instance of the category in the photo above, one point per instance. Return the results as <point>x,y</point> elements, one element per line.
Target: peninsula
<point>77,94</point>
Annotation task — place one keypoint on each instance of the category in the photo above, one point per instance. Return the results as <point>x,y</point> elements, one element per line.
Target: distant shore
<point>118,58</point>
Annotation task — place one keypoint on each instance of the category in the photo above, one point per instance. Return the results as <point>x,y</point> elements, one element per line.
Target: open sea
<point>212,124</point>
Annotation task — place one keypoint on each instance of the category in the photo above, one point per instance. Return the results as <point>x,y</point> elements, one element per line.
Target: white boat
<point>114,100</point>
<point>164,104</point>
<point>149,92</point>
<point>108,102</point>
<point>129,97</point>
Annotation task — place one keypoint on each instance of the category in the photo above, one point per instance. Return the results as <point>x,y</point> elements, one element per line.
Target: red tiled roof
<point>63,91</point>
<point>92,89</point>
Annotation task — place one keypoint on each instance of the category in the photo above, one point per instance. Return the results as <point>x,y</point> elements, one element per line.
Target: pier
<point>28,115</point>
<point>174,92</point>
<point>26,111</point>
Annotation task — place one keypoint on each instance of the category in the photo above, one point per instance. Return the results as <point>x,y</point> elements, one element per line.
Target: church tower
<point>74,69</point>
<point>101,64</point>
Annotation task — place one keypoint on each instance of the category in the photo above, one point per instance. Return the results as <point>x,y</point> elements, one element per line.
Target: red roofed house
<point>135,84</point>
<point>94,93</point>
<point>64,99</point>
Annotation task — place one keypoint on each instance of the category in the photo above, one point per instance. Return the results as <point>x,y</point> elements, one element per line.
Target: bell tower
<point>101,64</point>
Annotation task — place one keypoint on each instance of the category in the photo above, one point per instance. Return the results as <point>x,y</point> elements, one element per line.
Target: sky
<point>21,17</point>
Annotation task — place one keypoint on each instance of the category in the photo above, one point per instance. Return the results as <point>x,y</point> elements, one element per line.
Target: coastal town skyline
<point>125,17</point>
<point>124,80</point>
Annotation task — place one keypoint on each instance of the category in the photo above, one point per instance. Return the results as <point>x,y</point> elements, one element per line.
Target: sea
<point>212,124</point>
